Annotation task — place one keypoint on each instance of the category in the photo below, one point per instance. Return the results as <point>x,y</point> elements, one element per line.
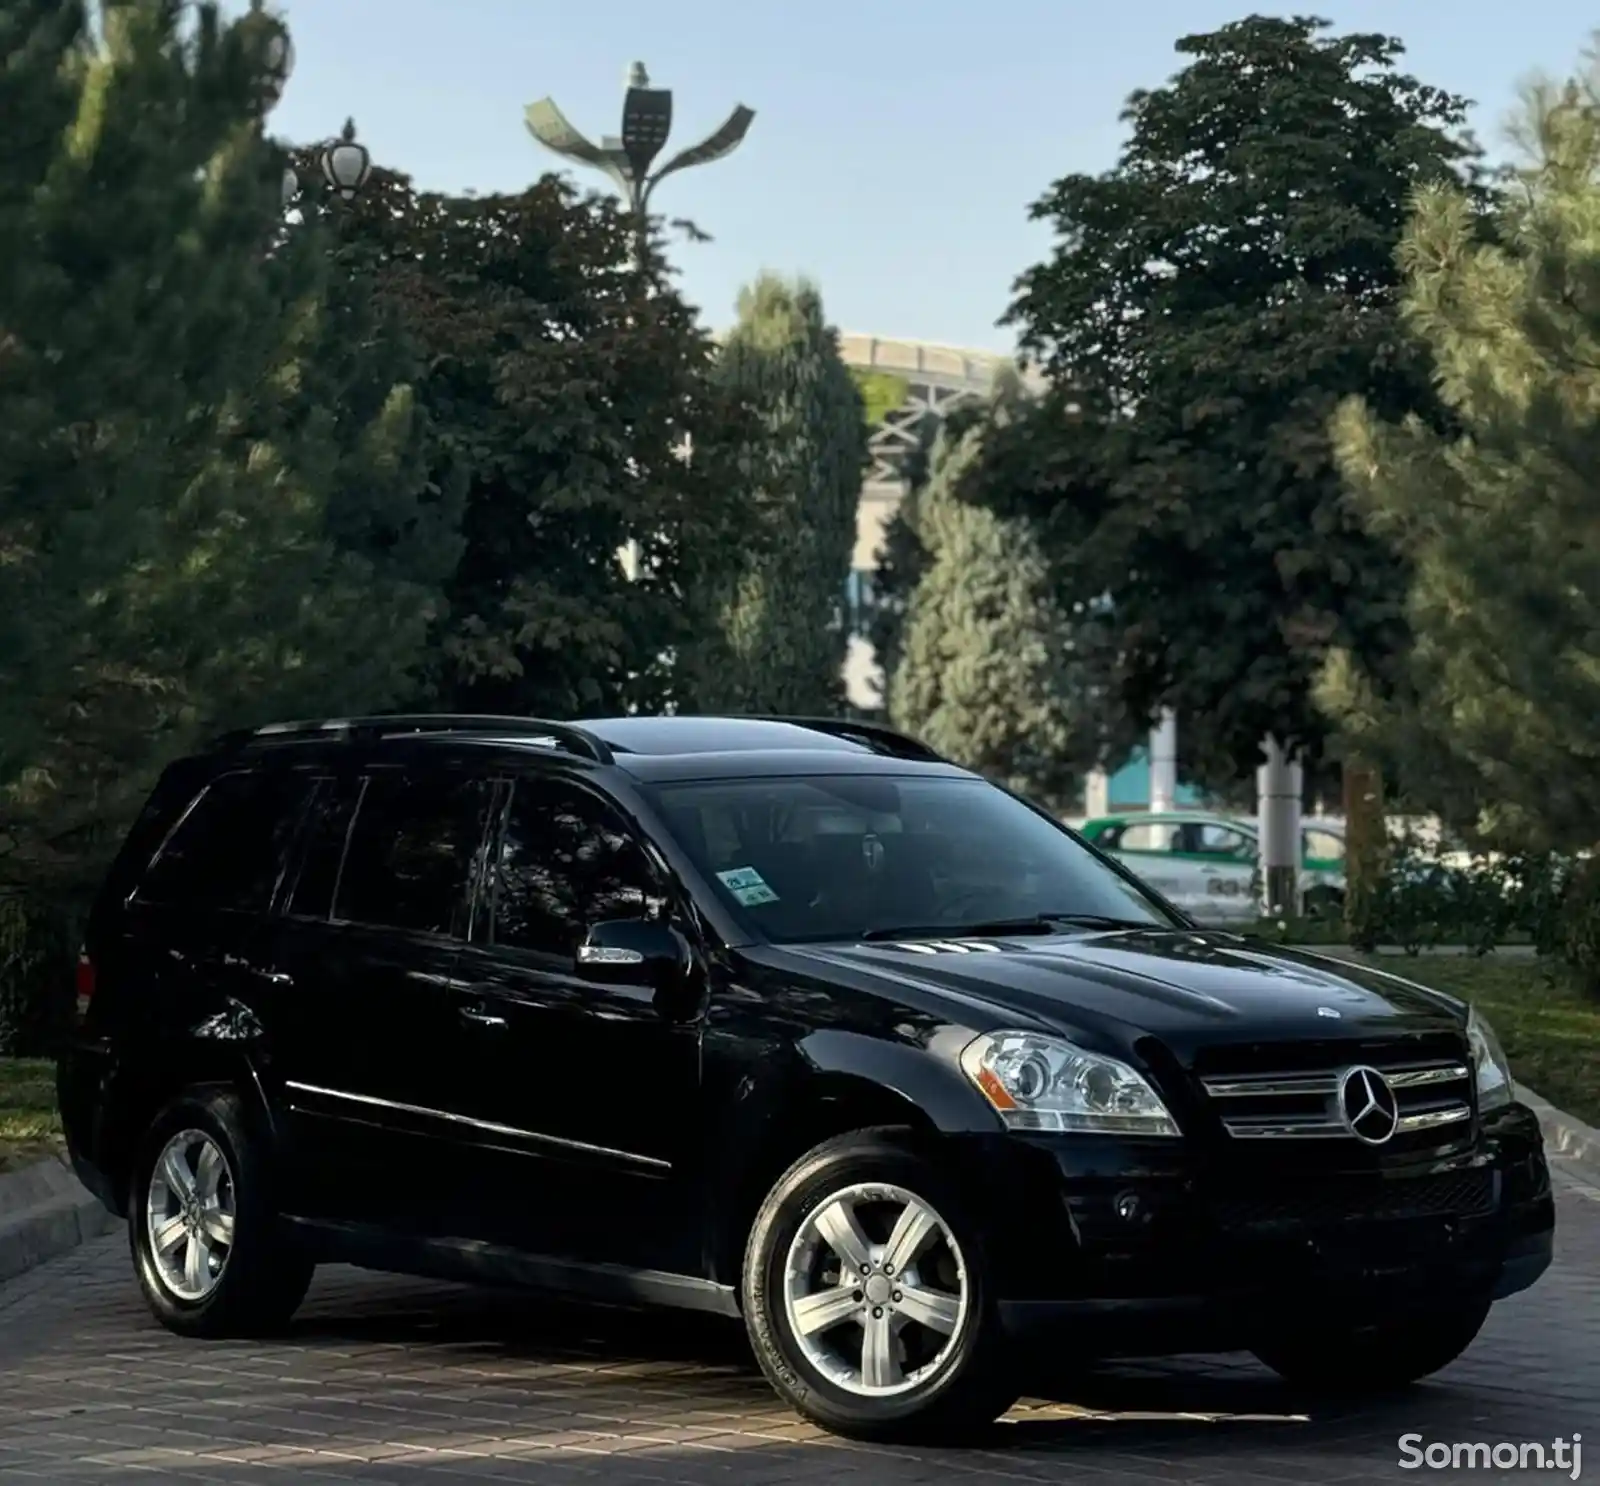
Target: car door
<point>1149,849</point>
<point>587,1093</point>
<point>368,1053</point>
<point>1225,859</point>
<point>196,931</point>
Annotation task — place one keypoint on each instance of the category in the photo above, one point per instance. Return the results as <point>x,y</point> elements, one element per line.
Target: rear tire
<point>203,1223</point>
<point>1375,1359</point>
<point>877,1248</point>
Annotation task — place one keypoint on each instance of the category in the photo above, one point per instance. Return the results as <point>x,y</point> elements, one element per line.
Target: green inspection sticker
<point>748,886</point>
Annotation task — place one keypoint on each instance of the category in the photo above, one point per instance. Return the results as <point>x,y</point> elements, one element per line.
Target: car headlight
<point>1037,1082</point>
<point>1490,1068</point>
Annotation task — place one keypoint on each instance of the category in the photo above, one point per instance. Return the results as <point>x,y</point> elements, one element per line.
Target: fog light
<point>1129,1207</point>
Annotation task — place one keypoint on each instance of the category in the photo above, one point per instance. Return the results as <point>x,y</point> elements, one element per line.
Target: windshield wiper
<point>1038,923</point>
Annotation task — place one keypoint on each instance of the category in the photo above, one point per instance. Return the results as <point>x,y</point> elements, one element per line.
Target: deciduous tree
<point>572,395</point>
<point>1214,296</point>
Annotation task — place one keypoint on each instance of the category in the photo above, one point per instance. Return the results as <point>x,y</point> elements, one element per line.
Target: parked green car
<point>1206,863</point>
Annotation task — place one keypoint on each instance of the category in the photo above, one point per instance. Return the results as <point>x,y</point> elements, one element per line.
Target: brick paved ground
<point>393,1381</point>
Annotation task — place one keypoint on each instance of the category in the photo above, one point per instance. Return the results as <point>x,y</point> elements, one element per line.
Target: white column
<point>1164,761</point>
<point>1278,784</point>
<point>1096,794</point>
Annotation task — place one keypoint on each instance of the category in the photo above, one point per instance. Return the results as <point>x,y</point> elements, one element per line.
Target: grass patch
<point>1550,1029</point>
<point>29,1127</point>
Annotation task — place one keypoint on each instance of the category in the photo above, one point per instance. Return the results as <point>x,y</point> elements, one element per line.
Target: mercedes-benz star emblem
<point>1367,1105</point>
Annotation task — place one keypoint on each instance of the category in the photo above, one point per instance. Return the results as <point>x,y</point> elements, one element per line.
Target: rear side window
<point>327,827</point>
<point>410,856</point>
<point>229,848</point>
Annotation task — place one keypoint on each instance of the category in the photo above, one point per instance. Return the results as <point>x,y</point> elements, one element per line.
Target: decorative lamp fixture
<point>629,158</point>
<point>347,164</point>
<point>277,51</point>
<point>291,186</point>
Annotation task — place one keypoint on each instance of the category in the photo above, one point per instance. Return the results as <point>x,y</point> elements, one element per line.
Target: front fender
<point>927,1077</point>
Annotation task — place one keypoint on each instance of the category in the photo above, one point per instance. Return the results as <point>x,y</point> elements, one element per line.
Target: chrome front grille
<point>1277,1106</point>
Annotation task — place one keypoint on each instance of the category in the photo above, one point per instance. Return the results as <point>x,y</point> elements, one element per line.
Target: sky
<point>897,145</point>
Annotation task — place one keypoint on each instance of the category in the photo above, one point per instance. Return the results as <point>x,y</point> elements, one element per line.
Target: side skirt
<point>493,1264</point>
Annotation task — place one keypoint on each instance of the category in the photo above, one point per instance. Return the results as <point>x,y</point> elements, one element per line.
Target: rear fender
<point>158,1072</point>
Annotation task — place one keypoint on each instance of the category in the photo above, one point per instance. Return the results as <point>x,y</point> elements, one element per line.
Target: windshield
<point>842,856</point>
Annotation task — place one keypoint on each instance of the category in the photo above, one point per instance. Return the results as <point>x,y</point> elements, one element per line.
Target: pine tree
<point>781,641</point>
<point>164,510</point>
<point>988,674</point>
<point>1492,719</point>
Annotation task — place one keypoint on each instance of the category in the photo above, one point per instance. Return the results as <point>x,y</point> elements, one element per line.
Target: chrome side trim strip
<point>488,1127</point>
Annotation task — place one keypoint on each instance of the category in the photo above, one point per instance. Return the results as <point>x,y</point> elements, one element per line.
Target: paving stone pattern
<point>387,1380</point>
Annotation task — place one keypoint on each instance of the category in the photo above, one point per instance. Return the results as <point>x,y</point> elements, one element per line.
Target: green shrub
<point>1483,903</point>
<point>1578,937</point>
<point>35,978</point>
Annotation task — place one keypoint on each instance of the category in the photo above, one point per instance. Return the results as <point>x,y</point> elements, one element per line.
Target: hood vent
<point>943,946</point>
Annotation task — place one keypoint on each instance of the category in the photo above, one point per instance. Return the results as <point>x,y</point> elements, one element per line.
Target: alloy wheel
<point>875,1290</point>
<point>189,1214</point>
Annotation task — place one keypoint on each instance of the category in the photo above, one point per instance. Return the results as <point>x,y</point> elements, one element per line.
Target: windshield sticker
<point>748,886</point>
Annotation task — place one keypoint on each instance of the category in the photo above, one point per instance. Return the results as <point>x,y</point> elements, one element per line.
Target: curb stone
<point>44,1212</point>
<point>1567,1140</point>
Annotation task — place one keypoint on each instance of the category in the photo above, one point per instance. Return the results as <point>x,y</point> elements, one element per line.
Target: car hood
<point>1190,988</point>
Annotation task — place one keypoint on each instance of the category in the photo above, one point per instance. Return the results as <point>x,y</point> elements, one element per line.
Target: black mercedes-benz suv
<point>786,1020</point>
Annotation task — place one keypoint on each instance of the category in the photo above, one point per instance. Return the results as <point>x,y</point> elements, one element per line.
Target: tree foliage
<point>1210,301</point>
<point>1493,722</point>
<point>169,563</point>
<point>882,393</point>
<point>780,642</point>
<point>988,672</point>
<point>572,400</point>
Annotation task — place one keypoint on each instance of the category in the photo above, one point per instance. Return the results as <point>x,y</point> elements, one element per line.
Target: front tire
<point>203,1225</point>
<point>1377,1358</point>
<point>867,1295</point>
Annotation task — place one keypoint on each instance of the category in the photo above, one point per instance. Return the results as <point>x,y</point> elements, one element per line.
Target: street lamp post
<point>627,158</point>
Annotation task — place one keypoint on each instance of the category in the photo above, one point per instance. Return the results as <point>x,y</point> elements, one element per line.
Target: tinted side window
<point>408,863</point>
<point>229,849</point>
<point>1147,837</point>
<point>327,827</point>
<point>567,861</point>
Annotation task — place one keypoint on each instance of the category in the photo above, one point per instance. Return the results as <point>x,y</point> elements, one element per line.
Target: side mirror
<point>636,952</point>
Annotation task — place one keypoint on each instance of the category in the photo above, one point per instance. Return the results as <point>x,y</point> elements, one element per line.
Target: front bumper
<point>1123,1249</point>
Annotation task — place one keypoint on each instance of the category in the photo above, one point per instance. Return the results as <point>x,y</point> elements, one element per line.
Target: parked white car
<point>1207,863</point>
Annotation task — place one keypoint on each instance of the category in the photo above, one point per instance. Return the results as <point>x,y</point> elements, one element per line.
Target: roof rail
<point>870,735</point>
<point>563,735</point>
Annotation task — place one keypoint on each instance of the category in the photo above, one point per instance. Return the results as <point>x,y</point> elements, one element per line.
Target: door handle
<point>481,1018</point>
